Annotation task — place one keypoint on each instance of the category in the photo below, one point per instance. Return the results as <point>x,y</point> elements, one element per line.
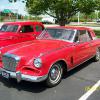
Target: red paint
<point>8,38</point>
<point>51,51</point>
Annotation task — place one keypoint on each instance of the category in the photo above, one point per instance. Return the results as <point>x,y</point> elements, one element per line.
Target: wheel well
<point>64,65</point>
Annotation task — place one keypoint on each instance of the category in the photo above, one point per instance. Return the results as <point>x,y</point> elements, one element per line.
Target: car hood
<point>33,49</point>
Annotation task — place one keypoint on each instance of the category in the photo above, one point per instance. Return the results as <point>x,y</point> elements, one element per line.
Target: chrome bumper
<point>20,77</point>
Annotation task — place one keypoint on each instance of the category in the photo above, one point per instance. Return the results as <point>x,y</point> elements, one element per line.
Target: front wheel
<point>97,56</point>
<point>55,75</point>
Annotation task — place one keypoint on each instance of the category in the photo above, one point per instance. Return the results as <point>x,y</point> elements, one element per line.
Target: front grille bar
<point>10,61</point>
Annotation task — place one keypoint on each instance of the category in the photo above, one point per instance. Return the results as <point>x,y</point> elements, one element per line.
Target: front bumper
<point>20,77</point>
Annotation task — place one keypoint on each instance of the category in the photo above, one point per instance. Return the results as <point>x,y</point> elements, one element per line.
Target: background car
<point>16,32</point>
<point>98,21</point>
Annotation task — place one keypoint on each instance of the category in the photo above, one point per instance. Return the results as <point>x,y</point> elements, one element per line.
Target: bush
<point>97,32</point>
<point>1,18</point>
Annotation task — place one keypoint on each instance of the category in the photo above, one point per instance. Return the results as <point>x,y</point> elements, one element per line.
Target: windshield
<point>9,28</point>
<point>59,34</point>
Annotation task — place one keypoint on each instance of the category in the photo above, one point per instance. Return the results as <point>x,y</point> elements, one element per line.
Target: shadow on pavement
<point>78,68</point>
<point>38,87</point>
<point>24,85</point>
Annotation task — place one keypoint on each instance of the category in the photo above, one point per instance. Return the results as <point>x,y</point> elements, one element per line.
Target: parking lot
<point>78,84</point>
<point>73,86</point>
<point>36,47</point>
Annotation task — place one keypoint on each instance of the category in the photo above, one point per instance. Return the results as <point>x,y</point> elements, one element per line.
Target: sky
<point>16,7</point>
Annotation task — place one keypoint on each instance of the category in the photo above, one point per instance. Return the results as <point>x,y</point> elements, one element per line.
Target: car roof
<point>68,27</point>
<point>23,23</point>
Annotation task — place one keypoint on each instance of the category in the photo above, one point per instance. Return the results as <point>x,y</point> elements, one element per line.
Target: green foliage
<point>97,4</point>
<point>62,10</point>
<point>99,14</point>
<point>87,6</point>
<point>97,32</point>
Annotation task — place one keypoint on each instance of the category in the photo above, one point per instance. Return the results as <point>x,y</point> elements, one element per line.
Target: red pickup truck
<point>15,32</point>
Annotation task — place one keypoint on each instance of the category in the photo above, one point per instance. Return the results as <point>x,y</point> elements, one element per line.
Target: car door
<point>26,33</point>
<point>38,29</point>
<point>82,47</point>
<point>91,43</point>
<point>10,36</point>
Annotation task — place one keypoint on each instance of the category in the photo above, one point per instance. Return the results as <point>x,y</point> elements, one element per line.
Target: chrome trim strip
<point>20,77</point>
<point>17,58</point>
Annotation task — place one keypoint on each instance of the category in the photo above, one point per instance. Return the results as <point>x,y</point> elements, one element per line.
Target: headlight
<point>37,63</point>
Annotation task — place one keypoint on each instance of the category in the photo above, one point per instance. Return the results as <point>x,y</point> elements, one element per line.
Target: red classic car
<point>57,50</point>
<point>15,32</point>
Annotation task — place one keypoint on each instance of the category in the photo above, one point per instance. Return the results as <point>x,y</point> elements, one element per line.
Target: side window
<point>52,32</point>
<point>82,36</point>
<point>76,39</point>
<point>38,28</point>
<point>3,28</point>
<point>89,37</point>
<point>26,29</point>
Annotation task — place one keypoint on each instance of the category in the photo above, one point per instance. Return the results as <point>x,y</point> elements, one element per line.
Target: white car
<point>48,20</point>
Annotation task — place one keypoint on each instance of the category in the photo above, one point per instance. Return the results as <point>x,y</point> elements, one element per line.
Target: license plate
<point>5,74</point>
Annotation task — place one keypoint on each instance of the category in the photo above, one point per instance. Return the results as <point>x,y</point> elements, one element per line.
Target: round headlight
<point>37,63</point>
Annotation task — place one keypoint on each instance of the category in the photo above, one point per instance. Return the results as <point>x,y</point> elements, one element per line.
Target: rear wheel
<point>97,56</point>
<point>55,75</point>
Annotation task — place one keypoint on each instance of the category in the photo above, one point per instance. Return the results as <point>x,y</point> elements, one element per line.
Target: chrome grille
<point>10,61</point>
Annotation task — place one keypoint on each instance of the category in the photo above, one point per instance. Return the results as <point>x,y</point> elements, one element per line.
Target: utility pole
<point>78,18</point>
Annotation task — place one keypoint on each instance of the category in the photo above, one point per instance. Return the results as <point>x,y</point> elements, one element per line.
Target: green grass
<point>97,33</point>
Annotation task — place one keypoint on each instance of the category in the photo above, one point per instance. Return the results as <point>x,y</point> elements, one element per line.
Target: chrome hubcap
<point>98,55</point>
<point>55,74</point>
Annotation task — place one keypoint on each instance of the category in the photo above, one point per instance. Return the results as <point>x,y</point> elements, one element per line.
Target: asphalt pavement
<point>73,86</point>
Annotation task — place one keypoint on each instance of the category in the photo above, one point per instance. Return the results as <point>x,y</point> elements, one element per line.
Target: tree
<point>98,5</point>
<point>99,14</point>
<point>87,7</point>
<point>62,10</point>
<point>13,1</point>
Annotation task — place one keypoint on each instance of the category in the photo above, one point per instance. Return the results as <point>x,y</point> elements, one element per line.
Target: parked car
<point>48,20</point>
<point>15,32</point>
<point>98,21</point>
<point>57,50</point>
